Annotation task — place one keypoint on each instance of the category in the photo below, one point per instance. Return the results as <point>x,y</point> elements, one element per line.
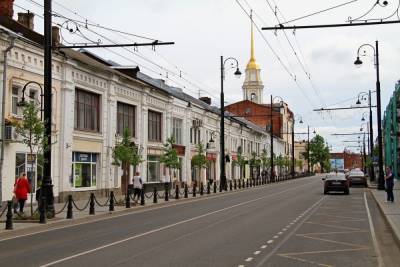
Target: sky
<point>321,75</point>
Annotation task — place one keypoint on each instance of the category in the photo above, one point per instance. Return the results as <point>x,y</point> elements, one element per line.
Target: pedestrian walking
<point>21,190</point>
<point>389,184</point>
<point>137,187</point>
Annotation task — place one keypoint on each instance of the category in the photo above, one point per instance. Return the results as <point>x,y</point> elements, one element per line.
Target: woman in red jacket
<point>21,190</point>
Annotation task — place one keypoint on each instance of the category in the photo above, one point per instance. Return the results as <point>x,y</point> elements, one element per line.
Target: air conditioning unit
<point>10,134</point>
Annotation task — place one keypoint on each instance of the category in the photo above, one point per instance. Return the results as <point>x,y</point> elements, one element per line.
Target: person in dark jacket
<point>389,184</point>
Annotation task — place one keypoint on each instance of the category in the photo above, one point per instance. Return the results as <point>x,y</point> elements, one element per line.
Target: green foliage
<point>240,161</point>
<point>170,157</point>
<point>299,163</point>
<point>319,152</point>
<point>265,161</point>
<point>368,162</point>
<point>126,152</point>
<point>254,161</point>
<point>200,160</point>
<point>32,130</point>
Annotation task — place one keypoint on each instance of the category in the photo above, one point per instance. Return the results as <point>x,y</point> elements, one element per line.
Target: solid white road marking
<point>167,227</point>
<point>249,259</point>
<point>257,252</point>
<point>373,234</point>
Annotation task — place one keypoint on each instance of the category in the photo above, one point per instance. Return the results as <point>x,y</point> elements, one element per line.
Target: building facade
<point>391,132</point>
<point>93,102</point>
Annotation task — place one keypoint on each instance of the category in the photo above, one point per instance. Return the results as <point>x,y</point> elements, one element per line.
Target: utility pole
<point>272,144</point>
<point>308,149</point>
<point>371,137</point>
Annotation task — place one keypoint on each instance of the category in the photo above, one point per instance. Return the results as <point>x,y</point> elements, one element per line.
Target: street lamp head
<point>22,103</point>
<point>358,102</point>
<point>301,121</point>
<point>314,132</point>
<point>363,119</point>
<point>237,73</point>
<point>358,61</point>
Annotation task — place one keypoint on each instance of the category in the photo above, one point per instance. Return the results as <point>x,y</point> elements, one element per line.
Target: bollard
<point>155,200</point>
<point>69,207</point>
<point>111,207</point>
<point>239,184</point>
<point>186,191</point>
<point>220,186</point>
<point>42,210</point>
<point>230,185</point>
<point>166,194</point>
<point>9,216</point>
<point>194,190</point>
<point>91,204</point>
<point>201,189</point>
<point>127,200</point>
<point>234,184</point>
<point>251,182</point>
<point>208,188</point>
<point>215,187</point>
<point>247,183</point>
<point>142,200</point>
<point>176,191</point>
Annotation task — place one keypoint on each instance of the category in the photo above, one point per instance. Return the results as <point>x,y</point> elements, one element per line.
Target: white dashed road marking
<point>257,252</point>
<point>275,237</point>
<point>249,259</point>
<point>270,241</point>
<point>264,246</point>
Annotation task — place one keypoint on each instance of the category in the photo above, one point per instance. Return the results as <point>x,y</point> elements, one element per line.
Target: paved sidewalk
<point>390,210</point>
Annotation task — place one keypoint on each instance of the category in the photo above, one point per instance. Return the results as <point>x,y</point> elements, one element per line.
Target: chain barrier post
<point>127,200</point>
<point>234,184</point>
<point>215,187</point>
<point>247,183</point>
<point>201,189</point>
<point>239,184</point>
<point>230,185</point>
<point>220,187</point>
<point>111,206</point>
<point>9,216</point>
<point>194,190</point>
<point>155,200</point>
<point>42,211</point>
<point>91,204</point>
<point>166,197</point>
<point>176,191</point>
<point>142,200</point>
<point>208,188</point>
<point>186,191</point>
<point>69,207</point>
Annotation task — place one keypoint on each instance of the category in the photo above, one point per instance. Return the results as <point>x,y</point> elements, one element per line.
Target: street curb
<point>393,228</point>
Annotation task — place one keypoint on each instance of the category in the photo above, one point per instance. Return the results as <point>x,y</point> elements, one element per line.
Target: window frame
<point>121,118</point>
<point>154,118</point>
<point>88,118</point>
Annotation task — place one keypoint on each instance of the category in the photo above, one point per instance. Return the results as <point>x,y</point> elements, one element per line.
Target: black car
<point>336,182</point>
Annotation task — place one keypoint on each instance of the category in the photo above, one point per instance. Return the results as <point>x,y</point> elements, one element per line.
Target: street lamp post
<point>47,187</point>
<point>293,159</point>
<point>381,185</point>
<point>222,125</point>
<point>371,131</point>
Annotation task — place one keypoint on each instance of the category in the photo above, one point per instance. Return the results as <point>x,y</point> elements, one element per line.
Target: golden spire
<point>252,63</point>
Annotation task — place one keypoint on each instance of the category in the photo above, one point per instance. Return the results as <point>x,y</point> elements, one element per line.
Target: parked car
<point>357,177</point>
<point>336,182</point>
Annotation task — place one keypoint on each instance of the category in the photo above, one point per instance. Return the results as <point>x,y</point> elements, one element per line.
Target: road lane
<point>57,244</point>
<point>218,240</point>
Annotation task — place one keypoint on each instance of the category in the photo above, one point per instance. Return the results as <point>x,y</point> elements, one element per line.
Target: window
<point>84,170</point>
<point>195,135</point>
<point>177,130</point>
<point>126,118</point>
<point>15,98</point>
<point>153,168</point>
<point>154,133</point>
<point>87,111</point>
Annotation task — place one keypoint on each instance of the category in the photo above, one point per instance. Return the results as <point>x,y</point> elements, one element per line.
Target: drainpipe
<point>3,109</point>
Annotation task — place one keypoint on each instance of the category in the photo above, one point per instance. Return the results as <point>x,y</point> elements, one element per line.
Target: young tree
<point>32,133</point>
<point>126,154</point>
<point>255,163</point>
<point>264,160</point>
<point>170,157</point>
<point>200,160</point>
<point>299,164</point>
<point>279,161</point>
<point>240,161</point>
<point>319,152</point>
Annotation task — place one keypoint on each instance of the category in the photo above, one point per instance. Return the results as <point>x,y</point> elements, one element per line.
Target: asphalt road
<point>285,224</point>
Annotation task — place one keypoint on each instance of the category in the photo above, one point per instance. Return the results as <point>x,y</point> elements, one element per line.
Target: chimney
<point>26,19</point>
<point>206,100</point>
<point>7,8</point>
<point>55,36</point>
